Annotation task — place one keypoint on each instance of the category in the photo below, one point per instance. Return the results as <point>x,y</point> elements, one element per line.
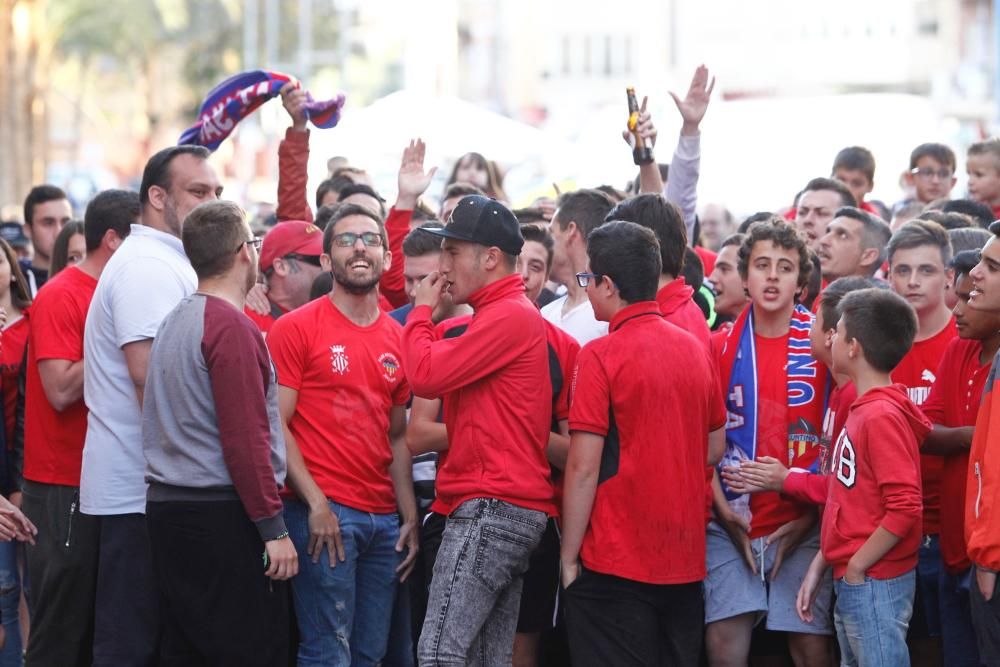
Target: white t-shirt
<point>142,282</point>
<point>579,322</point>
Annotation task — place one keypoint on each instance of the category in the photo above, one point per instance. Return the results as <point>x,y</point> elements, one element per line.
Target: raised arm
<point>293,158</point>
<point>685,167</point>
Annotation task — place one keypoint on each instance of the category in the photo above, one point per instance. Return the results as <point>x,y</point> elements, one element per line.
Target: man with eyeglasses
<point>215,460</point>
<point>289,260</point>
<point>342,396</point>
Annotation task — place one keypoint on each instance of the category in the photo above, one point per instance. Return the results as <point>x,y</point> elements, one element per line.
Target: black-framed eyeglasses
<point>583,279</point>
<point>306,259</point>
<point>348,239</point>
<point>927,172</point>
<point>255,242</point>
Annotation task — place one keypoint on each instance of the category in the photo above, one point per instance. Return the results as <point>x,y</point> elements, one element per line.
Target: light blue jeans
<point>872,618</point>
<point>344,612</point>
<point>10,600</point>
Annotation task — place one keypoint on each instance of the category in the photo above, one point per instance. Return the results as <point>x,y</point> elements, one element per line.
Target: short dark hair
<point>346,211</point>
<point>111,209</point>
<point>334,184</point>
<point>836,291</point>
<point>856,158</point>
<point>587,208</point>
<point>782,234</point>
<point>978,211</point>
<point>613,193</point>
<point>759,216</point>
<point>462,189</point>
<point>39,195</point>
<point>937,152</point>
<point>875,232</point>
<point>694,269</point>
<point>963,262</point>
<point>422,212</point>
<point>362,189</point>
<point>968,238</point>
<point>324,213</point>
<point>539,235</point>
<point>629,255</point>
<point>212,234</point>
<point>157,170</point>
<point>654,212</point>
<point>989,146</point>
<point>732,239</point>
<point>882,322</point>
<point>833,185</point>
<point>528,216</point>
<point>419,243</point>
<point>918,232</point>
<point>948,220</point>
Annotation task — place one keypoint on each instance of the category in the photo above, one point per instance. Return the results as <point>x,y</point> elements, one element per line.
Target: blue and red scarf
<point>807,383</point>
<point>240,95</point>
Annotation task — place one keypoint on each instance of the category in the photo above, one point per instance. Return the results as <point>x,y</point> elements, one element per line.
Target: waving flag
<point>238,96</point>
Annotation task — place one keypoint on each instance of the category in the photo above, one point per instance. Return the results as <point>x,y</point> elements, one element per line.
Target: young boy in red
<point>982,164</point>
<point>871,525</point>
<point>633,579</point>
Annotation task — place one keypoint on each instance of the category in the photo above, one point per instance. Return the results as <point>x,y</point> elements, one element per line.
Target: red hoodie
<point>875,481</point>
<point>679,309</point>
<point>496,375</point>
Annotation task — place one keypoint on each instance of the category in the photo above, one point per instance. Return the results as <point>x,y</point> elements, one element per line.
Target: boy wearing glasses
<point>634,579</point>
<point>342,396</point>
<point>932,173</point>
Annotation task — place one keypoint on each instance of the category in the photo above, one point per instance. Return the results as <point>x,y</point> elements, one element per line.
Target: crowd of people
<point>601,430</point>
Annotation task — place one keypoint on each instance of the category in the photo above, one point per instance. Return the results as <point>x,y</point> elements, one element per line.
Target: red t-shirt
<point>679,309</point>
<point>53,441</point>
<point>632,404</point>
<point>265,322</point>
<point>15,338</point>
<point>769,510</point>
<point>917,372</point>
<point>348,378</point>
<point>953,402</point>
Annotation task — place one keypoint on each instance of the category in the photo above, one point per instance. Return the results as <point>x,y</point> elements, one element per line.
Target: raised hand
<point>644,126</point>
<point>694,105</point>
<point>413,180</point>
<point>294,98</point>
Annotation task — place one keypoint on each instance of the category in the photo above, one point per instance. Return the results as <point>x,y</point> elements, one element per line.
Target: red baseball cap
<point>293,237</point>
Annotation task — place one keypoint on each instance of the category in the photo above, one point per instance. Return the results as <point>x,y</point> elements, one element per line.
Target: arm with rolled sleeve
<point>682,181</point>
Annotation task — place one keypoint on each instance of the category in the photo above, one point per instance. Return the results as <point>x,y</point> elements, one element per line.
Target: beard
<point>358,286</point>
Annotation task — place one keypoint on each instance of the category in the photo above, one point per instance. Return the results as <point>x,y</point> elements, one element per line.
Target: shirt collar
<point>632,311</point>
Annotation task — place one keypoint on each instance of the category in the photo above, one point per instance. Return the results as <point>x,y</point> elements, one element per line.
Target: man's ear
<point>325,263</point>
<point>386,260</point>
<point>157,197</point>
<point>868,257</point>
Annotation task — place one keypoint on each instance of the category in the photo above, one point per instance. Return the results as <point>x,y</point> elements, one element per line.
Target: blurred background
<point>90,88</point>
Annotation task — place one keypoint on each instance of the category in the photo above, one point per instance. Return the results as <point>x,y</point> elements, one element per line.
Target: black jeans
<point>62,571</point>
<point>615,621</point>
<point>218,608</point>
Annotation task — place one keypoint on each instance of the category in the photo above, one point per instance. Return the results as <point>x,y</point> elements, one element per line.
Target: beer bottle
<point>643,151</point>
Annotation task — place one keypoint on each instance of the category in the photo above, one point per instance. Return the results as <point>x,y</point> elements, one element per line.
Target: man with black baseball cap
<point>495,483</point>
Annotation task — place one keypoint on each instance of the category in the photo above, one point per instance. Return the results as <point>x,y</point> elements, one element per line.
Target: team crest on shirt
<point>338,359</point>
<point>390,366</point>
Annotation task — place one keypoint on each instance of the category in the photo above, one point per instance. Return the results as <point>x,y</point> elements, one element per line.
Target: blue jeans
<point>957,634</point>
<point>344,612</point>
<point>872,618</point>
<point>10,599</point>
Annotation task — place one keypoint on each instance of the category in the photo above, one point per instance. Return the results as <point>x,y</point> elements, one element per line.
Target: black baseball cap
<point>13,233</point>
<point>485,221</point>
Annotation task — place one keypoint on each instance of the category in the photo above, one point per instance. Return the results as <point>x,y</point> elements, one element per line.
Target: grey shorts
<point>732,589</point>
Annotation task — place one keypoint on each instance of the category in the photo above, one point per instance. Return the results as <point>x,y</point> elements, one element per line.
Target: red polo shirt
<point>953,402</point>
<point>655,419</point>
<point>494,377</point>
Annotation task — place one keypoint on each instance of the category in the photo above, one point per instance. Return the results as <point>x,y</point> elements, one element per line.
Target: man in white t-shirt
<point>145,279</point>
<point>578,214</point>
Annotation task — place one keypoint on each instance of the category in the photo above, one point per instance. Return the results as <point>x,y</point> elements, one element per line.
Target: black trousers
<point>986,622</point>
<point>126,611</point>
<point>62,576</point>
<point>615,621</point>
<point>218,608</point>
